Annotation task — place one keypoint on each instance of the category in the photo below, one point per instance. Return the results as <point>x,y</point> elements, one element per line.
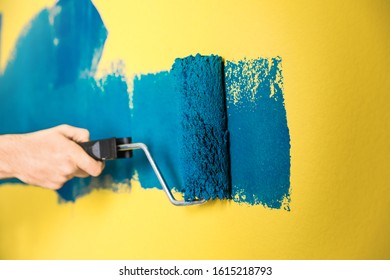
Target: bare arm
<point>47,158</point>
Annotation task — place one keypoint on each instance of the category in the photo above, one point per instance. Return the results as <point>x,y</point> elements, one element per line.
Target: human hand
<point>48,158</point>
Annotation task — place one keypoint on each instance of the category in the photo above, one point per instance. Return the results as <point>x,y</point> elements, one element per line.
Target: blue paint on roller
<point>180,115</point>
<point>259,135</point>
<point>204,155</point>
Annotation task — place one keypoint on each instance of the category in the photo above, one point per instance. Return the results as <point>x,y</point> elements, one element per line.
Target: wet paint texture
<point>179,114</point>
<point>204,155</point>
<point>260,140</point>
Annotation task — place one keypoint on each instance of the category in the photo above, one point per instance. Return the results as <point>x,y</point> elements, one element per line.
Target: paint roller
<point>204,154</point>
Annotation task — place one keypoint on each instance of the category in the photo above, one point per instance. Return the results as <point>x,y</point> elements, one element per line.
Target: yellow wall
<point>337,93</point>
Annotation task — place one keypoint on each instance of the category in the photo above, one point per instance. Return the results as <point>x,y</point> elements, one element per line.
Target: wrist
<point>7,148</point>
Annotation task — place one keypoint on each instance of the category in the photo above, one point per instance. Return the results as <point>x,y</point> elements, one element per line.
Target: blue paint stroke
<point>260,140</point>
<point>155,122</point>
<point>50,81</point>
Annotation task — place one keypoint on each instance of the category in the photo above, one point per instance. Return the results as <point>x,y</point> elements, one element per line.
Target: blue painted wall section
<point>184,115</point>
<point>50,81</point>
<point>155,122</point>
<point>259,135</point>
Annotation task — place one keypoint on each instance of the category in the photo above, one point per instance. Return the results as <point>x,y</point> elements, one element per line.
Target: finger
<point>81,174</point>
<point>86,163</point>
<point>76,134</point>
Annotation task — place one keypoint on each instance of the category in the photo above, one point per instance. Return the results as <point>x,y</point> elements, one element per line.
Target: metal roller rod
<point>137,146</point>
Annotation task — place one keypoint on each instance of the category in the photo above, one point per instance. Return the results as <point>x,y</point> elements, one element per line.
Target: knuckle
<point>62,180</point>
<point>65,167</point>
<point>68,159</point>
<point>63,127</point>
<point>85,132</point>
<point>68,168</point>
<point>57,181</point>
<point>53,185</point>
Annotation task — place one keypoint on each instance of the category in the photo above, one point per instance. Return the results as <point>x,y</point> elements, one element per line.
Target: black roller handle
<point>107,149</point>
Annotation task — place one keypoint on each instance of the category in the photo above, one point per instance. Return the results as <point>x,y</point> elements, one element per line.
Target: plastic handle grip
<point>105,149</point>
